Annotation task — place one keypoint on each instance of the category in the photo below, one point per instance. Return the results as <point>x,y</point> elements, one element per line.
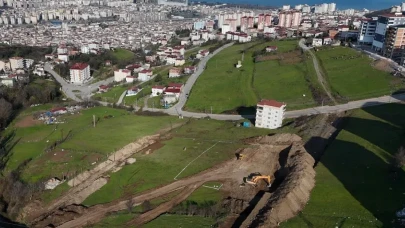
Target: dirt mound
<point>292,194</point>
<point>383,65</point>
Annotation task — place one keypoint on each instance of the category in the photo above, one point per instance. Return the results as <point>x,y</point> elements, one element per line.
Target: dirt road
<point>150,215</point>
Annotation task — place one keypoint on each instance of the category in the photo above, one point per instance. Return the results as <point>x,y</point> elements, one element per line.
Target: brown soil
<point>282,156</point>
<point>383,65</point>
<point>152,148</point>
<point>28,121</point>
<point>58,156</point>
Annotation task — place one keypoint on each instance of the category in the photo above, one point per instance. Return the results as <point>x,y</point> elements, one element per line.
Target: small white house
<point>317,42</point>
<point>133,91</point>
<point>157,90</point>
<point>144,75</point>
<point>130,79</point>
<point>174,72</point>
<point>121,74</point>
<point>63,57</point>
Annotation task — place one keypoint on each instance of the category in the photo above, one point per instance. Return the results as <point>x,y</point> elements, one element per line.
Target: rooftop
<point>272,103</point>
<point>79,66</point>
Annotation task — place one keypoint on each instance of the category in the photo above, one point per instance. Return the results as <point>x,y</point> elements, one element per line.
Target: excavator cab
<point>254,178</point>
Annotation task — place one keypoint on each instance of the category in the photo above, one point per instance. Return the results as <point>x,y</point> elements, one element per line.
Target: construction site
<point>266,183</point>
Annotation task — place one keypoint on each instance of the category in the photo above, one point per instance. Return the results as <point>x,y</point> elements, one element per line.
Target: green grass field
<point>354,79</point>
<point>225,88</point>
<point>287,83</point>
<point>354,184</point>
<point>123,54</point>
<point>85,145</point>
<point>165,163</point>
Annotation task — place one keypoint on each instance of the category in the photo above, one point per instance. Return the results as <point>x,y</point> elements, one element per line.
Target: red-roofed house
<point>103,88</point>
<point>133,91</point>
<point>79,72</point>
<point>145,75</point>
<point>175,86</point>
<point>157,90</point>
<point>174,72</point>
<point>190,69</point>
<point>270,114</point>
<point>130,79</point>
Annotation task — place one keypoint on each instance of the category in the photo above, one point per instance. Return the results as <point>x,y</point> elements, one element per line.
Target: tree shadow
<point>368,175</point>
<point>368,179</point>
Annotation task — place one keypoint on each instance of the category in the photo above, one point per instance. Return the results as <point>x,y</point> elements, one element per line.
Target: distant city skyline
<point>341,4</point>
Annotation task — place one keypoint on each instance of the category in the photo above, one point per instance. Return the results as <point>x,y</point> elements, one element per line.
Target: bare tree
<point>130,205</point>
<point>399,158</point>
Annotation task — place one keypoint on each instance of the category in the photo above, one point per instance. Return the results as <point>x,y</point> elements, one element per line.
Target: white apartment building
<point>16,62</point>
<point>79,72</point>
<point>121,74</point>
<point>367,30</point>
<point>270,114</point>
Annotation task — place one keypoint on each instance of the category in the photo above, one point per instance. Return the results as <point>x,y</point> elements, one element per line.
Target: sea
<point>340,4</point>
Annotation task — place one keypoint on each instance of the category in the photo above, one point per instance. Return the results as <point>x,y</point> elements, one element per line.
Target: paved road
<point>318,70</point>
<point>178,108</point>
<point>84,90</point>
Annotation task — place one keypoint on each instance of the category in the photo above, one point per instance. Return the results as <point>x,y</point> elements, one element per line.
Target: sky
<point>341,4</point>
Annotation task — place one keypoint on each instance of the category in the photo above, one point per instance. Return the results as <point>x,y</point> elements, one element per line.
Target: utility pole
<point>94,120</point>
<point>211,109</point>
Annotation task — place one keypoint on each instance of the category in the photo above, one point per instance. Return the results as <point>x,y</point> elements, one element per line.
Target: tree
<point>146,206</point>
<point>158,78</point>
<point>399,158</point>
<point>130,205</point>
<point>6,109</point>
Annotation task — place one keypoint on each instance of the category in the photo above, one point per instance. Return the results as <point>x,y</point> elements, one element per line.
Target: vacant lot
<point>352,76</point>
<point>123,54</point>
<point>209,140</point>
<point>283,82</point>
<point>222,87</point>
<point>83,145</point>
<point>355,184</point>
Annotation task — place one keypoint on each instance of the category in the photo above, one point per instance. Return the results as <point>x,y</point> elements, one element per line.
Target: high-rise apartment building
<point>383,23</point>
<point>289,19</point>
<point>79,72</point>
<point>394,43</point>
<point>367,30</point>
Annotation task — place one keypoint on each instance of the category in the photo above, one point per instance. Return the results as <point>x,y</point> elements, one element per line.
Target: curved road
<point>177,109</point>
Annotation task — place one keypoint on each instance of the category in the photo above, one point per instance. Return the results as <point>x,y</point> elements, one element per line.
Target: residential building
<point>16,63</point>
<point>270,114</point>
<point>317,42</point>
<point>157,90</point>
<point>9,82</point>
<point>133,91</point>
<point>394,45</point>
<point>145,75</point>
<point>121,74</point>
<point>174,72</point>
<point>383,23</point>
<point>130,79</point>
<point>289,19</point>
<point>178,86</point>
<point>79,72</point>
<point>190,69</point>
<point>63,57</point>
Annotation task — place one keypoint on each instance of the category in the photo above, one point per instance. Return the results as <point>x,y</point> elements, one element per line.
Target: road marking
<point>216,188</point>
<point>175,178</point>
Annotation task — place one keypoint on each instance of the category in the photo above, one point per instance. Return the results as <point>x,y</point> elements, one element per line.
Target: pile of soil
<point>383,65</point>
<point>293,193</point>
<point>27,121</point>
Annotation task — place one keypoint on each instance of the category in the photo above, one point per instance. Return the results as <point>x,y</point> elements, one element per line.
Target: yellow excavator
<point>254,178</point>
